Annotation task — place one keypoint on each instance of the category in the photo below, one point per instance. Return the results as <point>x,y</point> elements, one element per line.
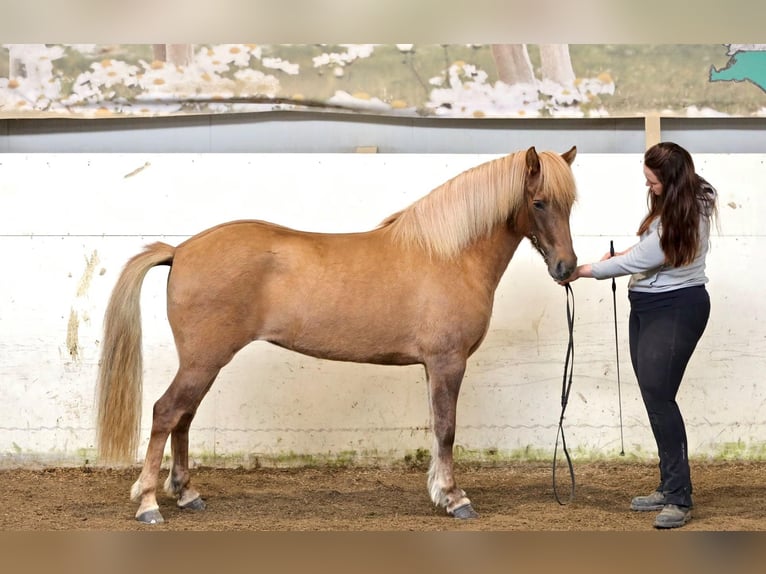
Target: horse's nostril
<point>563,270</point>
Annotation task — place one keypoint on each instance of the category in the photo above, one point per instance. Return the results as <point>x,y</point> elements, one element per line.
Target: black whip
<point>617,350</point>
<point>566,385</point>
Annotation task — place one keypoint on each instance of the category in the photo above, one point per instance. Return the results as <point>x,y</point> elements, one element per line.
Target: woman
<point>669,309</point>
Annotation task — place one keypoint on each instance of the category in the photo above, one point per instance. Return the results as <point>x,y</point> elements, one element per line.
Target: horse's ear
<point>570,155</point>
<point>533,161</point>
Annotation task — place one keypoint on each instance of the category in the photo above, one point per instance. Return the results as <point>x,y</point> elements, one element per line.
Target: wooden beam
<point>652,130</point>
<point>367,149</point>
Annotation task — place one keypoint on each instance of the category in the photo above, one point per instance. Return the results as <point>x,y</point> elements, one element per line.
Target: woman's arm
<point>646,255</point>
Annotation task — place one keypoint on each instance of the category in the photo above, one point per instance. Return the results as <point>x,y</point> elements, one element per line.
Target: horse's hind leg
<point>175,407</point>
<point>178,481</point>
<point>444,379</point>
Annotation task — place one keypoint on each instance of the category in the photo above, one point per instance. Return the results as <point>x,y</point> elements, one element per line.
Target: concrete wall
<point>68,222</point>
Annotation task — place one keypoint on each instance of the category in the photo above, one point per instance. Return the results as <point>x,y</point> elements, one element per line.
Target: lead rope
<point>566,385</point>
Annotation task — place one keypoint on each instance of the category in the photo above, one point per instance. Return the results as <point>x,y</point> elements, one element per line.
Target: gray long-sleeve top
<point>645,262</point>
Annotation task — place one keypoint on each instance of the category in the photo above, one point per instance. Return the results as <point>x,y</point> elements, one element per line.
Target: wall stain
<point>137,170</point>
<point>72,339</point>
<point>73,325</point>
<point>87,275</point>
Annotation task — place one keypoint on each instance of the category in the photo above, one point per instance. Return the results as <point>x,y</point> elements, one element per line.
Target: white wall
<point>68,222</point>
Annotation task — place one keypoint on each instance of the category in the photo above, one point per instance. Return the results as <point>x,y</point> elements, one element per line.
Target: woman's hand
<point>580,271</point>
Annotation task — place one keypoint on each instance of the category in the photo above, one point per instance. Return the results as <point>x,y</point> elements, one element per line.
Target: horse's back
<point>246,246</point>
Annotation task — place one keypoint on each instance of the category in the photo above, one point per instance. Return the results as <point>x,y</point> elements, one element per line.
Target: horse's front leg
<point>444,379</point>
<point>177,484</point>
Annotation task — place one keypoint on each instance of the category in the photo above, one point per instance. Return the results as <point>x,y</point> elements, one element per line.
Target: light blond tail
<point>120,368</point>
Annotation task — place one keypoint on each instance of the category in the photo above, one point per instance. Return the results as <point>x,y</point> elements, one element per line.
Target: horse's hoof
<point>151,517</point>
<point>464,512</point>
<point>196,504</point>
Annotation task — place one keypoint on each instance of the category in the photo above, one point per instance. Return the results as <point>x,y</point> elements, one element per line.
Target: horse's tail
<point>120,369</point>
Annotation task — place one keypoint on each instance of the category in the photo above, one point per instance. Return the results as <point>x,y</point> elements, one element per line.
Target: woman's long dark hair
<point>684,199</point>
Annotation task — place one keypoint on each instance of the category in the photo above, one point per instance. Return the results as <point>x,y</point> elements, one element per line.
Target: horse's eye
<point>539,205</point>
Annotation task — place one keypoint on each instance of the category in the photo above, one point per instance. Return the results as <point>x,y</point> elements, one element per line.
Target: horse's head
<point>549,194</point>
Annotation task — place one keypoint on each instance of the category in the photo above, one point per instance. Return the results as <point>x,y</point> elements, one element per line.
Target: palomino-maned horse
<point>418,289</point>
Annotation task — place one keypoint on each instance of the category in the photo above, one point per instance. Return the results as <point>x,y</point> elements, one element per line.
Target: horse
<point>417,289</point>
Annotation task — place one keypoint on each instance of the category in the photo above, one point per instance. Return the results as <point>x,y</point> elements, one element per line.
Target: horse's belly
<point>354,354</point>
<point>372,341</point>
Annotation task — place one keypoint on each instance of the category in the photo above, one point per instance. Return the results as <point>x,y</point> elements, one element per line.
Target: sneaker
<point>654,501</point>
<point>673,516</point>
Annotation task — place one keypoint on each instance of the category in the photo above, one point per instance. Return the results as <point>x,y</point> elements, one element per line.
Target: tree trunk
<point>556,64</point>
<point>178,54</point>
<point>513,64</point>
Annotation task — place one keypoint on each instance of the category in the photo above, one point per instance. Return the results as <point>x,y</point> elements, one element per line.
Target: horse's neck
<point>492,254</point>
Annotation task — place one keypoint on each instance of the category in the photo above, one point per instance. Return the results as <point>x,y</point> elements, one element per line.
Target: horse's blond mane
<point>471,204</point>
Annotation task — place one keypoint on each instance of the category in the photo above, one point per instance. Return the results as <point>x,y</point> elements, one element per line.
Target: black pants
<point>664,329</point>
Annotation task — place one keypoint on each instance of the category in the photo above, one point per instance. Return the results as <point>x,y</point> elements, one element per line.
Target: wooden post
<point>652,130</point>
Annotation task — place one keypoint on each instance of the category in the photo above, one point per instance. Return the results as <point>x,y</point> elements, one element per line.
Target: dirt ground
<point>513,496</point>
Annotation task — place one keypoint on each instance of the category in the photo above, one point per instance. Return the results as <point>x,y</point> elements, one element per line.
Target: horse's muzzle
<point>562,269</point>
